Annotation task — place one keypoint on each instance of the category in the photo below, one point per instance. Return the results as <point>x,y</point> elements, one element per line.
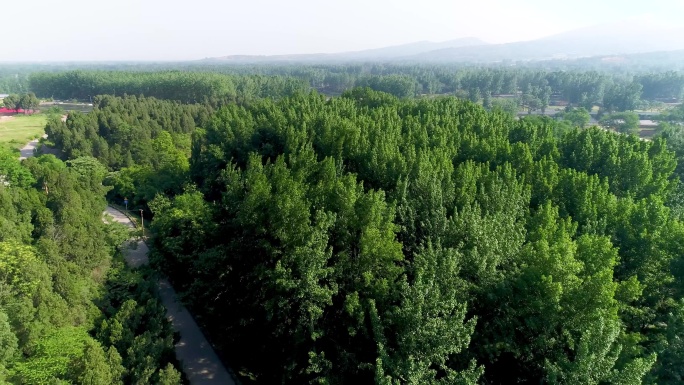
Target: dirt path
<point>200,363</point>
<point>27,150</point>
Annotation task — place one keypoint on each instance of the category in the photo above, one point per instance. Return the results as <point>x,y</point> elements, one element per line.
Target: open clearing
<point>16,130</point>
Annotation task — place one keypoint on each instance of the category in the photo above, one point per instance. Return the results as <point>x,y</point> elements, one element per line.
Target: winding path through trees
<point>200,363</point>
<point>29,148</point>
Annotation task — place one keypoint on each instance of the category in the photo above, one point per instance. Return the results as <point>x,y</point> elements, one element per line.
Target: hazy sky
<point>49,30</point>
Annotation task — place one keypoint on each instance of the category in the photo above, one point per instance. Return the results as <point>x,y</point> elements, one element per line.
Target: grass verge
<point>20,129</point>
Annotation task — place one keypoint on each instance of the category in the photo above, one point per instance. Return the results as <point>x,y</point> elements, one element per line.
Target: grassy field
<point>20,129</point>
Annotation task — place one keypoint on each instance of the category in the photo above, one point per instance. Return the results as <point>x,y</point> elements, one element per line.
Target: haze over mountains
<point>627,37</point>
<point>384,53</point>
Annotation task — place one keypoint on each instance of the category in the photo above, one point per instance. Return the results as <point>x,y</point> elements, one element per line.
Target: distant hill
<point>645,61</point>
<point>610,39</point>
<point>410,49</point>
<point>314,57</point>
<point>384,53</point>
<point>622,38</point>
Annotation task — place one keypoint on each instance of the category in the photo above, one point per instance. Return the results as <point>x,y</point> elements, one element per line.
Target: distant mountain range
<point>411,49</point>
<point>611,39</point>
<point>385,53</point>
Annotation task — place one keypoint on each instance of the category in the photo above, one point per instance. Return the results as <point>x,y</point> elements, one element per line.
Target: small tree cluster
<point>26,102</point>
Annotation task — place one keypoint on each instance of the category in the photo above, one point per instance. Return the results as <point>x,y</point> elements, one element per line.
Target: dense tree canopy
<point>376,238</point>
<point>363,238</point>
<point>370,239</point>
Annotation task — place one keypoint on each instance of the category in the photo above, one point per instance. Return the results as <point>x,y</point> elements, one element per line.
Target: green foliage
<point>536,97</point>
<point>632,166</point>
<point>664,85</point>
<point>52,357</point>
<point>374,238</point>
<point>427,327</point>
<point>8,342</point>
<point>538,84</point>
<point>169,376</point>
<point>93,367</point>
<point>16,279</point>
<point>55,252</point>
<point>623,122</point>
<point>11,101</point>
<point>134,329</point>
<point>509,106</point>
<point>443,244</point>
<point>401,86</point>
<point>622,96</point>
<point>673,115</point>
<point>146,140</point>
<point>26,102</point>
<point>578,117</point>
<point>186,87</point>
<point>11,173</point>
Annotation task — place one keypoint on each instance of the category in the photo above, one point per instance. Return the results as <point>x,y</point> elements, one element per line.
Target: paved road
<point>200,363</point>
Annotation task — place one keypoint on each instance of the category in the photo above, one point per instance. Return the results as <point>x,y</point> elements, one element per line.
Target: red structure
<point>5,111</point>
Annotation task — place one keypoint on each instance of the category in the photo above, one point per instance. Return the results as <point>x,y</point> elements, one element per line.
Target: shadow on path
<point>200,363</point>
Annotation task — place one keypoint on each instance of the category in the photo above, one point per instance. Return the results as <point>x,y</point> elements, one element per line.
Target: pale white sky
<point>49,30</point>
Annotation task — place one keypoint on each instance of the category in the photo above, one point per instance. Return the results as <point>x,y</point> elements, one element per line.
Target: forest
<point>370,238</point>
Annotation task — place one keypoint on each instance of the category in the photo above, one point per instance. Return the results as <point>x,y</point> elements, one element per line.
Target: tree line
<point>371,239</point>
<point>14,78</point>
<point>16,102</point>
<point>187,87</point>
<point>531,88</point>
